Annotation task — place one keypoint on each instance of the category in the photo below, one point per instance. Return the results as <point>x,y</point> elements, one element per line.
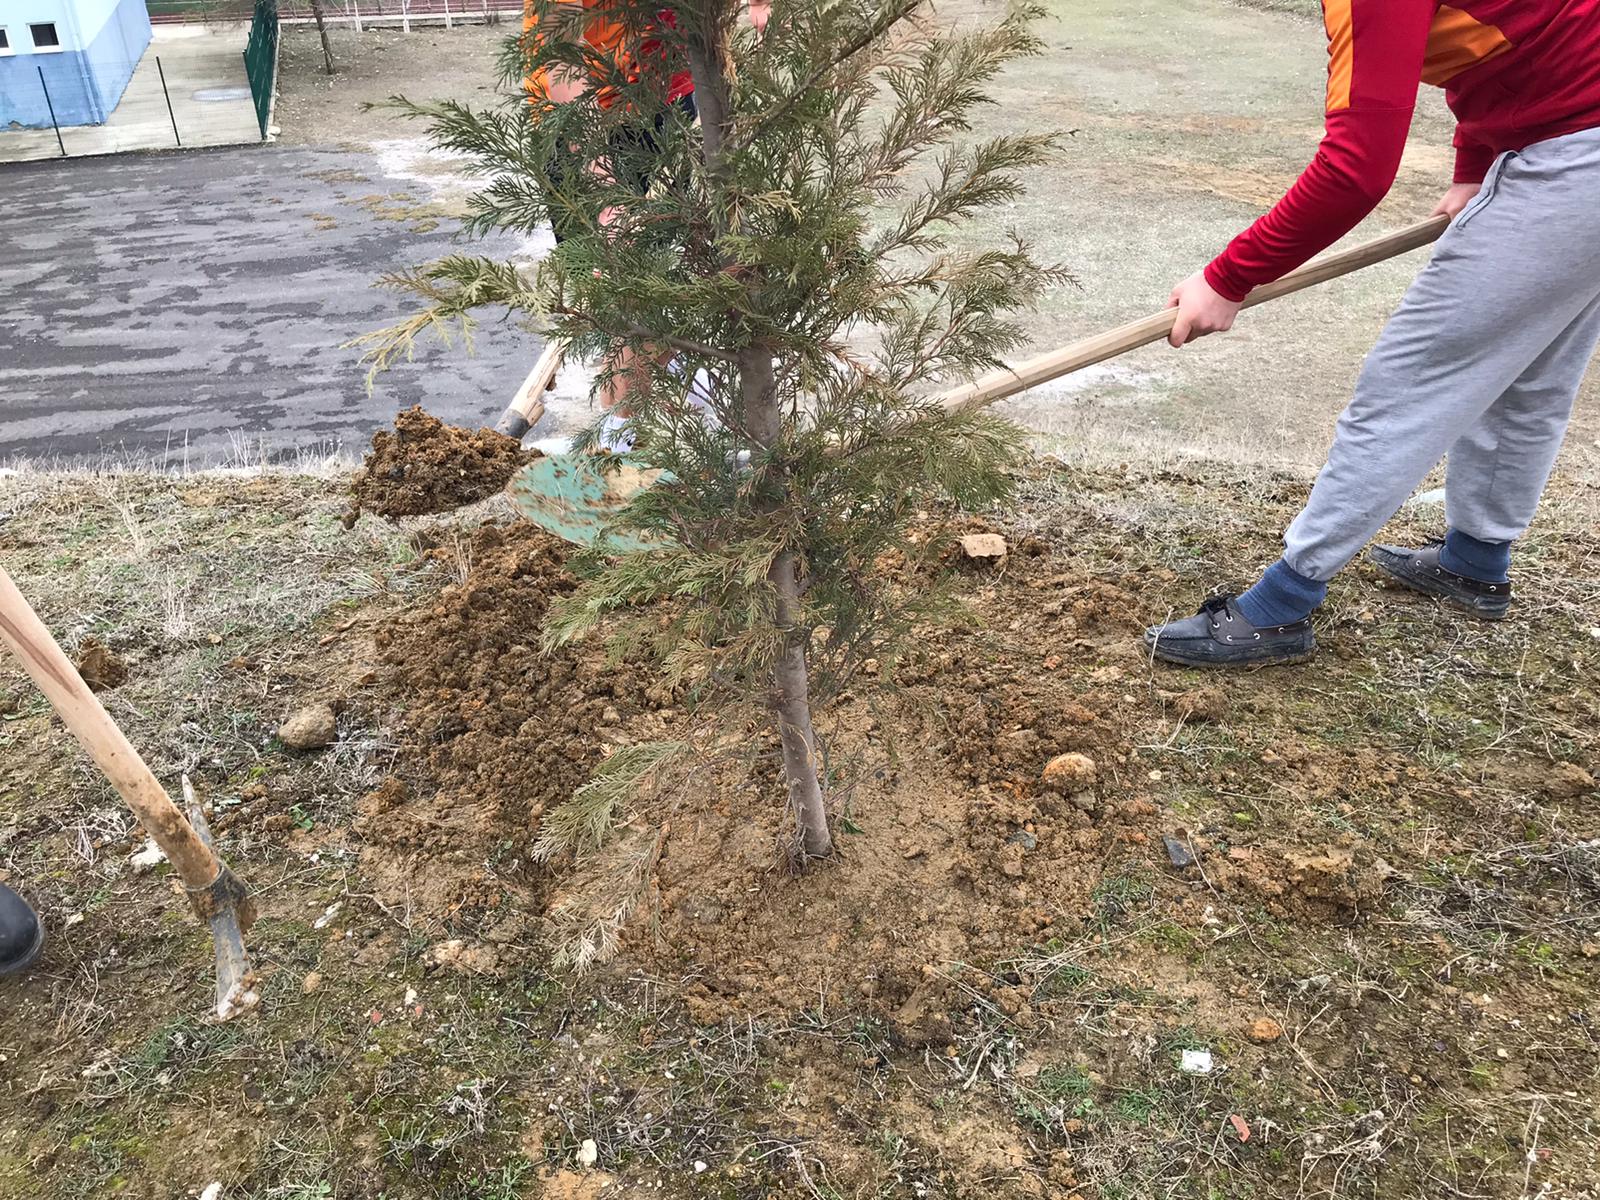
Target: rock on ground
<point>983,546</point>
<point>1069,772</point>
<point>312,728</point>
<point>1264,1030</point>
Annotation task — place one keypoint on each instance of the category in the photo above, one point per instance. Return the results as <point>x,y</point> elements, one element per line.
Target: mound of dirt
<point>495,733</point>
<point>951,846</point>
<point>102,669</point>
<point>426,466</point>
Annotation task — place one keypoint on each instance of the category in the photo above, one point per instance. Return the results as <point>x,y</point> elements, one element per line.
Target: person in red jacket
<point>1485,355</point>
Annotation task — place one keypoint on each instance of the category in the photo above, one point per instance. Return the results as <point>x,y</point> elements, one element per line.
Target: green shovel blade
<point>575,496</point>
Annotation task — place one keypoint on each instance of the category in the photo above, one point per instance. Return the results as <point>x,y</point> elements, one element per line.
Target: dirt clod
<point>426,466</point>
<point>465,957</point>
<point>1202,704</point>
<point>1568,781</point>
<point>984,547</point>
<point>101,669</point>
<point>311,728</point>
<point>1264,1031</point>
<point>1069,772</point>
<point>574,1185</point>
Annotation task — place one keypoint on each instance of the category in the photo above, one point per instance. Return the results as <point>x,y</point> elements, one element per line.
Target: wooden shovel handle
<point>26,636</point>
<point>527,406</point>
<point>997,385</point>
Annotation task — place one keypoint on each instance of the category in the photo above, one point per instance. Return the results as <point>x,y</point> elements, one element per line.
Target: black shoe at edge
<point>21,933</point>
<point>1420,571</point>
<point>1219,635</point>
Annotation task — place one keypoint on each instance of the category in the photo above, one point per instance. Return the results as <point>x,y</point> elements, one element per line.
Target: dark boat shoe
<point>1420,571</point>
<point>21,933</point>
<point>1220,636</point>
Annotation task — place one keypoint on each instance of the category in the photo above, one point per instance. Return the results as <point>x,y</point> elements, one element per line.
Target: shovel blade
<point>575,496</point>
<point>236,992</point>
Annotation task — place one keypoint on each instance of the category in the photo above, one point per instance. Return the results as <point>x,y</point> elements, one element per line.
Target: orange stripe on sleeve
<point>1341,52</point>
<point>1458,42</point>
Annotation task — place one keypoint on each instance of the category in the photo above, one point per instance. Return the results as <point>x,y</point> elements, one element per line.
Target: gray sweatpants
<point>1482,361</point>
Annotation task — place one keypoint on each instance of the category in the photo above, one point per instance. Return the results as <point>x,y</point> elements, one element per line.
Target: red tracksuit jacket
<point>1514,72</point>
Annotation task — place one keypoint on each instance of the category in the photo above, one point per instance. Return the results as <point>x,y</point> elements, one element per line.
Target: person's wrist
<point>1217,281</point>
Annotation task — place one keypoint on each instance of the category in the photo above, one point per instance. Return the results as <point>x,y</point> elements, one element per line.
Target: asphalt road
<point>182,306</point>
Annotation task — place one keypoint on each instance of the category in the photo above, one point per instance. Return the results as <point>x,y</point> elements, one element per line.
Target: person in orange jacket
<point>609,38</point>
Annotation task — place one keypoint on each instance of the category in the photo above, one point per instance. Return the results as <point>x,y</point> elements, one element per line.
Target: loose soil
<point>950,822</point>
<point>101,669</point>
<point>426,466</point>
<point>1368,889</point>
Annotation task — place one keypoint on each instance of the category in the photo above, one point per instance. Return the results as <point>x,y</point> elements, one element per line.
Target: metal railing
<point>171,100</point>
<point>355,13</point>
<point>261,59</point>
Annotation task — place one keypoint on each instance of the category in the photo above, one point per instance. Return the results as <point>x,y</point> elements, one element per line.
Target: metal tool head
<point>228,911</point>
<point>576,496</point>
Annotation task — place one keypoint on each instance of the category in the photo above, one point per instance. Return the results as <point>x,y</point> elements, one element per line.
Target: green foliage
<point>582,823</point>
<point>1115,897</point>
<point>808,219</point>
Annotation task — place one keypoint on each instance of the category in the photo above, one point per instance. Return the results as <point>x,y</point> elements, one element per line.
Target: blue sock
<point>1489,562</point>
<point>1282,597</point>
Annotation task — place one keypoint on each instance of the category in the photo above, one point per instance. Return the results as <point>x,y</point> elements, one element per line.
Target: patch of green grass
<point>503,1183</point>
<point>1171,937</point>
<point>1139,1105</point>
<point>1060,980</point>
<point>1117,896</point>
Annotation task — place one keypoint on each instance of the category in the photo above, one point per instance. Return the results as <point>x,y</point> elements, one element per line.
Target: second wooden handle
<point>80,709</point>
<point>997,385</point>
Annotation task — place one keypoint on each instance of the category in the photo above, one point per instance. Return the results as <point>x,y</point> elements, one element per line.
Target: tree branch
<point>886,21</point>
<point>640,333</point>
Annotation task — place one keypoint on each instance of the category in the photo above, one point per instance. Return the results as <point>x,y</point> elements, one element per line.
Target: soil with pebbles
<point>951,844</point>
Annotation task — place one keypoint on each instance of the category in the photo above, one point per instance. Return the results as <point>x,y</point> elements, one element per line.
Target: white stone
<point>1195,1062</point>
<point>984,546</point>
<point>147,857</point>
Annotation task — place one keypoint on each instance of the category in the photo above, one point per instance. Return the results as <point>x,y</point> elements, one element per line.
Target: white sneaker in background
<point>615,435</point>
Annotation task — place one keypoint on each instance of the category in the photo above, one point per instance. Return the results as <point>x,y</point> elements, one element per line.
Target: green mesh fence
<point>261,58</point>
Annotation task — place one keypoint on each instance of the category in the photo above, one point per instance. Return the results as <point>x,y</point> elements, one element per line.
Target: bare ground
<point>1388,942</point>
<point>327,111</point>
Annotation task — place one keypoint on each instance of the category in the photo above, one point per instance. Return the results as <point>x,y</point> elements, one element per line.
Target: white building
<point>67,61</point>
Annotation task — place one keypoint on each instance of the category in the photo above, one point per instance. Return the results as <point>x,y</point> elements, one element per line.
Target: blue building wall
<point>101,43</point>
<point>113,55</point>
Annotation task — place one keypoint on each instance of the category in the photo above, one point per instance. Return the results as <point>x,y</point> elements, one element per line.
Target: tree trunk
<point>711,64</point>
<point>322,32</point>
<point>791,704</point>
<point>790,698</point>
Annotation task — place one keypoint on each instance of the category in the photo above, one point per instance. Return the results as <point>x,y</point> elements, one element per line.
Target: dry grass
<point>1393,1077</point>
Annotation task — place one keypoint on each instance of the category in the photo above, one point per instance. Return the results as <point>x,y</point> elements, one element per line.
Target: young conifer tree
<point>790,263</point>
